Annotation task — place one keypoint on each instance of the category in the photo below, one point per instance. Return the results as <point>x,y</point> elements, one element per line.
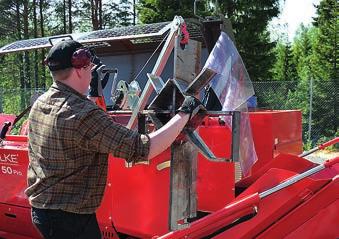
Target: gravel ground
<point>321,156</point>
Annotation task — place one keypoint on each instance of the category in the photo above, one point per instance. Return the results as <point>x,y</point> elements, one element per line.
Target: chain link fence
<point>15,101</point>
<point>318,101</point>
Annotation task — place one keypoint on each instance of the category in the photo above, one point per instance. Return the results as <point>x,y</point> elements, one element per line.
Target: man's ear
<point>77,71</point>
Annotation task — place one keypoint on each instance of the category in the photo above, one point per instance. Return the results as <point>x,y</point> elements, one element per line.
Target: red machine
<point>283,196</point>
<point>139,208</point>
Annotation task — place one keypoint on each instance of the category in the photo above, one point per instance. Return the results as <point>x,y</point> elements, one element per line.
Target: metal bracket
<point>59,38</point>
<point>198,142</point>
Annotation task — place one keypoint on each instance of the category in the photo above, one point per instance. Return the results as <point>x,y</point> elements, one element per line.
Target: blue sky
<point>293,13</point>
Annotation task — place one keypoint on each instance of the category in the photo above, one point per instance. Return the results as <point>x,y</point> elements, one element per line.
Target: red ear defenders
<point>81,58</point>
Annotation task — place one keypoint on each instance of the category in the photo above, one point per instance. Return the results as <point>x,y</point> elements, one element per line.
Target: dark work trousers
<point>58,224</point>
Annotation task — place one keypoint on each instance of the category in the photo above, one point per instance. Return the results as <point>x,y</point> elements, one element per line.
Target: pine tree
<point>7,25</point>
<point>283,68</point>
<point>302,51</point>
<point>98,15</point>
<point>125,14</point>
<point>110,18</point>
<point>150,11</point>
<point>249,19</point>
<point>327,44</point>
<point>324,66</point>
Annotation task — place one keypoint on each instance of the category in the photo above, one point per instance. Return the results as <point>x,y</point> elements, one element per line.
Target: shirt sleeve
<point>98,132</point>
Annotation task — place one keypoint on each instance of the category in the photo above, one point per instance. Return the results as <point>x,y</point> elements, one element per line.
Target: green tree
<point>125,15</point>
<point>283,68</point>
<point>17,12</point>
<point>150,11</point>
<point>302,53</point>
<point>97,15</point>
<point>7,24</point>
<point>19,71</point>
<point>325,67</point>
<point>315,56</point>
<point>110,18</point>
<point>327,43</point>
<point>63,17</point>
<point>249,19</point>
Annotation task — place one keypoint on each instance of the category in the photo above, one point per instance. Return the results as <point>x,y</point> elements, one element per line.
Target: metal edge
<point>159,33</point>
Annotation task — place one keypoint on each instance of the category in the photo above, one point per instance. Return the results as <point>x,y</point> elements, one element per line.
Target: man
<point>70,139</point>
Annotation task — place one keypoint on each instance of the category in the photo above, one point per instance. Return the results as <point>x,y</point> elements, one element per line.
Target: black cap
<point>60,55</point>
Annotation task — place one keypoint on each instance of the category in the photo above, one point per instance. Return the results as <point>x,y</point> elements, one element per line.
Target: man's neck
<point>70,83</point>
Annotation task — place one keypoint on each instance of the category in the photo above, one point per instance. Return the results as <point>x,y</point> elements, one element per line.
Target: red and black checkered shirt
<point>70,139</point>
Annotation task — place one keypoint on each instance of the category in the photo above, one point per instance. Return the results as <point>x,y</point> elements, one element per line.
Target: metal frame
<point>157,70</point>
<point>236,120</point>
<point>80,37</point>
<point>183,164</point>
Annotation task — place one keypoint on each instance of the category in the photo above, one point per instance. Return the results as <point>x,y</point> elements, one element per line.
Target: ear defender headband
<point>81,58</point>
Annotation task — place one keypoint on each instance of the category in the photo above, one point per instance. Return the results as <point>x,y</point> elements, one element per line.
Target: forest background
<point>297,74</point>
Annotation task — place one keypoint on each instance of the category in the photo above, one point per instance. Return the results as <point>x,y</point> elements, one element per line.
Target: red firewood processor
<point>231,173</point>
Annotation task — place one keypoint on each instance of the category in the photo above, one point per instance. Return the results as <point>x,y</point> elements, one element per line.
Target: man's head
<point>70,62</point>
<point>67,54</point>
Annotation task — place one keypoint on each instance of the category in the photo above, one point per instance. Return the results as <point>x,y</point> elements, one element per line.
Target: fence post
<point>1,97</point>
<point>310,109</point>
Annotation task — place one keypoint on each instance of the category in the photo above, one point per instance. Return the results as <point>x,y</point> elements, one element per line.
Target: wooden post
<point>183,203</point>
<point>187,62</point>
<point>183,184</point>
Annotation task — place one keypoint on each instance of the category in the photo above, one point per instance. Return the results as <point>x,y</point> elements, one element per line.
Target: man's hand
<point>192,106</point>
<point>99,80</point>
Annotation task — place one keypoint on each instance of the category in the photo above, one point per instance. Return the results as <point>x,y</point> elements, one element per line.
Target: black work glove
<point>192,106</point>
<point>99,79</point>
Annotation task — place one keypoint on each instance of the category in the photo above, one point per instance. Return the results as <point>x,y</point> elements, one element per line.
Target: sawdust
<point>322,155</point>
<point>327,154</point>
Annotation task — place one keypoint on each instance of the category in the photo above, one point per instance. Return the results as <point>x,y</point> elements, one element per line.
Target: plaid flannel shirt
<point>70,139</point>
